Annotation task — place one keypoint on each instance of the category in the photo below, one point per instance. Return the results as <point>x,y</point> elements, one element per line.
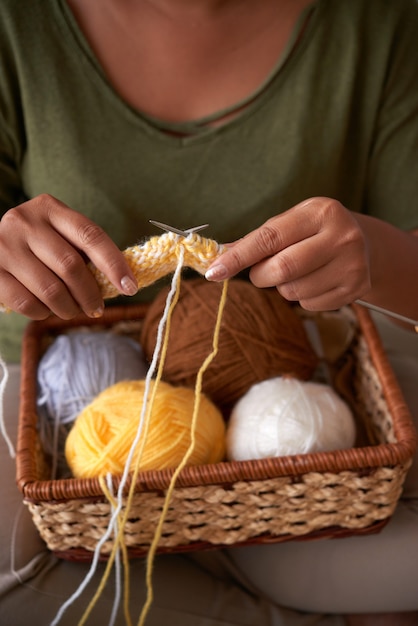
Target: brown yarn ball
<point>261,336</point>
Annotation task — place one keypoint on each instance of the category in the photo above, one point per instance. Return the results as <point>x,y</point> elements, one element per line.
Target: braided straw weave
<point>332,494</point>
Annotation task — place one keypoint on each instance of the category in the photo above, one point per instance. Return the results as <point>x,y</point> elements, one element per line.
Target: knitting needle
<point>379,309</point>
<point>177,231</point>
<point>373,307</point>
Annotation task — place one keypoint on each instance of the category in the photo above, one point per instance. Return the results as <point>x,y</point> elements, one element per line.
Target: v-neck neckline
<point>201,128</point>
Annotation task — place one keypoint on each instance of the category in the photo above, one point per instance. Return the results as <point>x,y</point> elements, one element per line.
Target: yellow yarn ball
<point>103,433</point>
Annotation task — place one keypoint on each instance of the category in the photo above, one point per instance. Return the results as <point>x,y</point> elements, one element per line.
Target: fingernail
<point>217,272</point>
<point>129,286</point>
<point>97,312</point>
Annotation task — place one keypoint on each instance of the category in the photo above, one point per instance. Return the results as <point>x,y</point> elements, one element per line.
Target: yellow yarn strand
<point>158,257</point>
<point>158,377</point>
<point>119,539</point>
<point>182,464</point>
<point>109,565</point>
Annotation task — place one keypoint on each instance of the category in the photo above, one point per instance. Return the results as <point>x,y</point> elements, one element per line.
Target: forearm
<point>393,266</point>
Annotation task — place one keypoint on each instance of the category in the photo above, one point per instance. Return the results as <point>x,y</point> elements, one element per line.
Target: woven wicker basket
<point>328,494</point>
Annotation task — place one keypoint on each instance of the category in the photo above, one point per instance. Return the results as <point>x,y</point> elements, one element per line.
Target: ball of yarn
<point>74,369</point>
<point>78,365</point>
<point>103,433</point>
<point>284,416</point>
<point>261,336</point>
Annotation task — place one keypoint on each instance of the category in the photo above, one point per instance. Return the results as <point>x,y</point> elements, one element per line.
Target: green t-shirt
<point>337,117</point>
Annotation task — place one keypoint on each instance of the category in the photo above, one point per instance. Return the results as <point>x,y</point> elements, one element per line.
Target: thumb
<point>243,253</point>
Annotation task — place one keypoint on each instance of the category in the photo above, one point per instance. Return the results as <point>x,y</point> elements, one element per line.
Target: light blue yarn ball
<point>75,368</point>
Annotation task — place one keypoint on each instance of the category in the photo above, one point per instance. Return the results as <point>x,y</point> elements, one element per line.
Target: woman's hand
<point>44,248</point>
<point>314,253</point>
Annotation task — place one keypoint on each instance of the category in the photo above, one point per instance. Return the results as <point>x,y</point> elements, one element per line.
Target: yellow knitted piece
<point>158,257</point>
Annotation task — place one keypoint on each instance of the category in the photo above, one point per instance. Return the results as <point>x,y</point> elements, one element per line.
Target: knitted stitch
<point>158,256</point>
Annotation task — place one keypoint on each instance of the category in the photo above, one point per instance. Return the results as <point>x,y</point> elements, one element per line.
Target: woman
<point>291,127</point>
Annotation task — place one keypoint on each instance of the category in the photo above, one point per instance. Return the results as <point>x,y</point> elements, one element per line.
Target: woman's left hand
<point>315,253</point>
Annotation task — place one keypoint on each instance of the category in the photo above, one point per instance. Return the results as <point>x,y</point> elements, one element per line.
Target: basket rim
<point>361,459</point>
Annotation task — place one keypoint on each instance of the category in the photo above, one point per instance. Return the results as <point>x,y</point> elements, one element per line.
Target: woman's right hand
<point>44,250</point>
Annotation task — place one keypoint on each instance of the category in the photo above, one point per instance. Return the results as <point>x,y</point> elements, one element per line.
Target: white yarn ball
<point>284,416</point>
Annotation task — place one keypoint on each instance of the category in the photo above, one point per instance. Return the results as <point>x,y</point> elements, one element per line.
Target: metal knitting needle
<point>373,307</point>
<point>177,231</point>
<point>396,316</point>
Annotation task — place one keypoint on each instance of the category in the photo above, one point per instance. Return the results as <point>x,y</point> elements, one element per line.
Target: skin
<point>306,251</point>
<point>44,245</point>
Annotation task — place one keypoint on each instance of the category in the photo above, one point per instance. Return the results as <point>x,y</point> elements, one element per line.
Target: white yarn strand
<point>3,384</point>
<point>114,518</point>
<point>118,569</point>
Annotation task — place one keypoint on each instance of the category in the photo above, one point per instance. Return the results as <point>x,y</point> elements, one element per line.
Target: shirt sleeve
<point>12,140</point>
<point>392,187</point>
<point>10,189</point>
